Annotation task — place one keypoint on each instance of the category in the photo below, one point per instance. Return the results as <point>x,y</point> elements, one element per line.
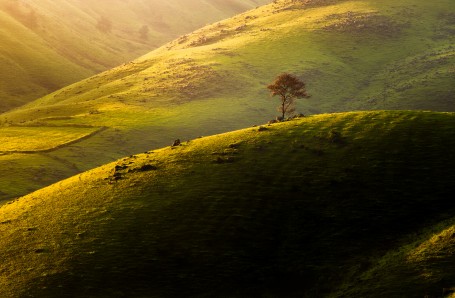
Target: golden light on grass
<point>36,139</point>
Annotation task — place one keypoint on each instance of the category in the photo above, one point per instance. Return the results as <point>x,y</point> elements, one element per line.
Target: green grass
<point>354,55</point>
<point>35,139</point>
<point>33,148</point>
<point>294,210</point>
<point>45,47</point>
<point>344,69</point>
<point>423,264</point>
<point>42,169</point>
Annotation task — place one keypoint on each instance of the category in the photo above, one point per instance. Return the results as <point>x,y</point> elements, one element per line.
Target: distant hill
<point>45,46</point>
<point>334,205</point>
<point>353,55</point>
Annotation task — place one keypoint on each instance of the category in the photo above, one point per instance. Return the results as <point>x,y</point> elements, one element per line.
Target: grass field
<point>350,204</point>
<point>32,148</point>
<point>37,139</point>
<point>354,55</point>
<point>334,205</point>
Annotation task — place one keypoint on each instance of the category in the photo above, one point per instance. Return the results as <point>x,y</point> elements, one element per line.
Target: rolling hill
<point>354,55</point>
<point>335,205</point>
<point>45,46</point>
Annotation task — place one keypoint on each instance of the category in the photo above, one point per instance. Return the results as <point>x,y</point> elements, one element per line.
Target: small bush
<point>145,168</point>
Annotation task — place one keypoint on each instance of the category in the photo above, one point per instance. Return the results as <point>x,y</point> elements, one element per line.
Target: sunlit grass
<point>214,79</point>
<point>43,51</point>
<point>249,205</point>
<point>30,139</point>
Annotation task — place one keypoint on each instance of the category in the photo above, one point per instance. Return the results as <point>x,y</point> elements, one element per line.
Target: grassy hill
<point>336,205</point>
<point>46,46</point>
<point>354,55</point>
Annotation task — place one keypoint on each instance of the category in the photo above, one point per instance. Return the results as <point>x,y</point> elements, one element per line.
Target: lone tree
<point>288,87</point>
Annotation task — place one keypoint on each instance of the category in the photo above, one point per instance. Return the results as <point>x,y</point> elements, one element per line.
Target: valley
<point>45,46</point>
<point>169,173</point>
<point>214,79</point>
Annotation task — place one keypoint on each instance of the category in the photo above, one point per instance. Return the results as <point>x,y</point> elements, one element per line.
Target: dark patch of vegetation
<point>281,221</point>
<point>177,142</point>
<point>146,168</point>
<point>364,23</point>
<point>299,4</point>
<point>234,145</point>
<point>221,160</point>
<point>335,137</point>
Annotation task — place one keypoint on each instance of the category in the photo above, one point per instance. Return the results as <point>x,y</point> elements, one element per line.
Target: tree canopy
<point>288,87</point>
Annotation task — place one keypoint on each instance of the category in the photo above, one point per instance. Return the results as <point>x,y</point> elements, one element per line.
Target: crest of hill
<point>318,206</point>
<point>46,46</point>
<point>353,55</point>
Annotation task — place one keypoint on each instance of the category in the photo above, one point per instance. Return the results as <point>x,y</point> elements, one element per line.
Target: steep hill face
<point>337,205</point>
<point>352,54</point>
<point>47,46</point>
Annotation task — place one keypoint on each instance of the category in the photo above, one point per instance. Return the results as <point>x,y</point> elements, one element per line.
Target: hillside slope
<point>46,46</point>
<point>320,206</point>
<point>353,55</point>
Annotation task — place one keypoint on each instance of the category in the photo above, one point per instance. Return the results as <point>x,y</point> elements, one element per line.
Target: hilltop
<point>353,55</point>
<point>335,205</point>
<point>46,46</point>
